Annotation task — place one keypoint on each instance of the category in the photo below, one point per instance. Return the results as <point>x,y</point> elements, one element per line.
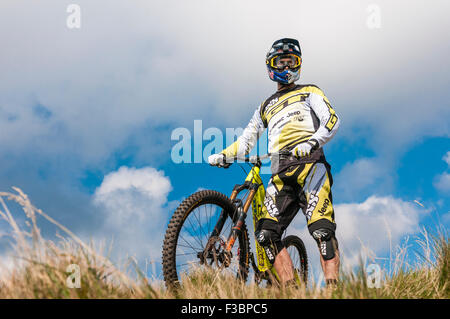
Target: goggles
<point>280,62</point>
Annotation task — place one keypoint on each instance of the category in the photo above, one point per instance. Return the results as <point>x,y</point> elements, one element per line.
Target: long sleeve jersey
<point>291,116</point>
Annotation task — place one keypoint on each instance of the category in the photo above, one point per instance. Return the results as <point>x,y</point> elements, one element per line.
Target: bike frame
<point>254,184</point>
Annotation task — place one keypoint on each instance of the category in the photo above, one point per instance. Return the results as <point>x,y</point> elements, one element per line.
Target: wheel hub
<point>215,253</point>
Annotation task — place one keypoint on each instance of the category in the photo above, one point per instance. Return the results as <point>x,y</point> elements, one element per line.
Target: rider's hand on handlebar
<point>218,160</point>
<point>253,159</point>
<point>305,149</point>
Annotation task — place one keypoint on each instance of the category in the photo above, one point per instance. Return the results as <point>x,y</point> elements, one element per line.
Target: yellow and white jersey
<point>291,116</point>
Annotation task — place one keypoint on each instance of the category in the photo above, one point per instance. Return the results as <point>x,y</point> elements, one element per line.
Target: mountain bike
<point>209,229</point>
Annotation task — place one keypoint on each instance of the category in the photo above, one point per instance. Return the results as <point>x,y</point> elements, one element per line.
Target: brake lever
<point>225,165</point>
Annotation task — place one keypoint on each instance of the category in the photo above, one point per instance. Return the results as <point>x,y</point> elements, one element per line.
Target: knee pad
<point>270,241</point>
<point>326,241</point>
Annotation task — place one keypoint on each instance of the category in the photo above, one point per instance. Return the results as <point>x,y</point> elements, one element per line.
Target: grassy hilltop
<point>41,268</point>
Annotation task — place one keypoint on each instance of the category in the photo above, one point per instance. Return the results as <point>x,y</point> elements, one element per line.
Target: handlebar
<point>255,159</point>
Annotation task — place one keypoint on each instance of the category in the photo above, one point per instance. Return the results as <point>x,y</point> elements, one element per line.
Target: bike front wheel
<point>196,237</point>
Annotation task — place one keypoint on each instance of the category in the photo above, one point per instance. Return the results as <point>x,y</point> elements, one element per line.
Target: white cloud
<point>133,203</point>
<point>363,177</point>
<point>374,226</point>
<point>379,223</point>
<point>442,181</point>
<point>446,158</point>
<point>148,181</point>
<point>177,60</point>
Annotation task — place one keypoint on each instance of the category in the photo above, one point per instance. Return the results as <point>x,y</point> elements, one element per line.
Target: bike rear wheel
<point>196,237</point>
<point>297,251</point>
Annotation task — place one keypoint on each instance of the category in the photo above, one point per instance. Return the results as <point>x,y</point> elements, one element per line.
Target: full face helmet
<point>284,61</point>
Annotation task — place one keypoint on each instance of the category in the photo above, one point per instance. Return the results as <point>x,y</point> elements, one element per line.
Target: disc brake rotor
<point>215,253</point>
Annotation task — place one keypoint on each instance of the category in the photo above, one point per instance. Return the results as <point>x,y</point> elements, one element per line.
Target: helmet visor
<point>280,62</point>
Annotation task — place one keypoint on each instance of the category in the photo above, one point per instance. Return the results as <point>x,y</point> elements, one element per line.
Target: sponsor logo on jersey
<point>272,102</point>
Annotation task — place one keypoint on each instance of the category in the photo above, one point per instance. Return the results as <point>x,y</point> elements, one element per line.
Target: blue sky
<point>76,105</point>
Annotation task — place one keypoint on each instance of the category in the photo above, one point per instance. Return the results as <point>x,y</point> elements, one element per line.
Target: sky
<point>88,113</point>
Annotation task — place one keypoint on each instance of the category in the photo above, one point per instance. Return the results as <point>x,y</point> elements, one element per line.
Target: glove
<point>216,159</point>
<point>305,149</point>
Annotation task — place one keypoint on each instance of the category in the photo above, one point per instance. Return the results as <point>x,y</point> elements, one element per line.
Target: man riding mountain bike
<point>300,120</point>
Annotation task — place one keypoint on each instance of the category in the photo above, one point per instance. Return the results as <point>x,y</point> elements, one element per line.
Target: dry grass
<point>38,269</point>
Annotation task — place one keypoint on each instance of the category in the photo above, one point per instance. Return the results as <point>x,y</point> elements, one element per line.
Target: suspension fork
<point>242,214</point>
<point>238,217</point>
<point>224,214</point>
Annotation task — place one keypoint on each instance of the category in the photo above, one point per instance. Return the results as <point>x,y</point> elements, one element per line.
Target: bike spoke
<point>181,236</point>
<point>195,254</point>
<point>193,228</point>
<point>189,263</point>
<point>199,228</point>
<point>209,230</point>
<point>292,251</point>
<point>190,246</point>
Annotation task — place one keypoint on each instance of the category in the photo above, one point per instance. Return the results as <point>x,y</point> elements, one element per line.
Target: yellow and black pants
<point>305,186</point>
